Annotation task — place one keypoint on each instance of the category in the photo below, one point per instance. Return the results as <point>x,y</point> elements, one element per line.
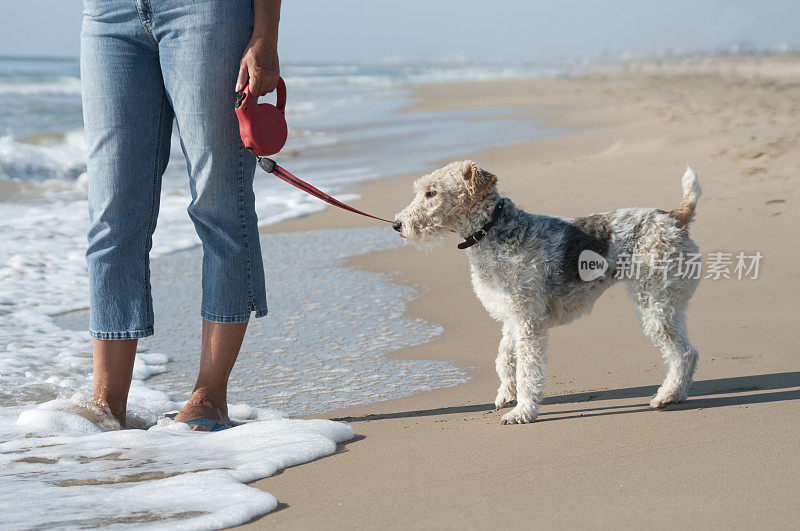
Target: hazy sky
<point>510,30</point>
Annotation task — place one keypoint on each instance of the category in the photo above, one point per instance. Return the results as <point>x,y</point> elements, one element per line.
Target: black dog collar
<point>478,235</point>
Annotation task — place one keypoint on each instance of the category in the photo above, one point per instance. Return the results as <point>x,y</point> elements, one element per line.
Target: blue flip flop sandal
<point>208,423</point>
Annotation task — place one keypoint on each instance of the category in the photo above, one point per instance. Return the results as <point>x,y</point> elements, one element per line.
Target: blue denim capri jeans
<point>143,64</point>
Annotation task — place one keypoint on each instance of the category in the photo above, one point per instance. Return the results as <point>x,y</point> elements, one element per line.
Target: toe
<point>503,399</point>
<point>500,404</point>
<point>661,402</point>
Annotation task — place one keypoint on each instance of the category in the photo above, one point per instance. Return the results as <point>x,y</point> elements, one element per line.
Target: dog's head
<point>445,200</point>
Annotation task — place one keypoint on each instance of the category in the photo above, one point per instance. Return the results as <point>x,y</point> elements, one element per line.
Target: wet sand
<point>597,456</point>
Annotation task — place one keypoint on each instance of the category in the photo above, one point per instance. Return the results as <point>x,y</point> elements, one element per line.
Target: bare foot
<point>200,406</point>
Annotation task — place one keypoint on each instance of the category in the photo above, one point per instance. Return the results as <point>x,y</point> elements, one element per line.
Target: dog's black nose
<point>397,225</point>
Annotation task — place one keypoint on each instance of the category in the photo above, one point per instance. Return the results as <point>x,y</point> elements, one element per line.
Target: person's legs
<point>127,122</point>
<point>200,45</point>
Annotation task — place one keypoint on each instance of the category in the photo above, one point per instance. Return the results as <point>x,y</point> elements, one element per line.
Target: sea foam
<point>167,476</point>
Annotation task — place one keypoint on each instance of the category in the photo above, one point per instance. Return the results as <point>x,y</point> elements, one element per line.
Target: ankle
<point>205,397</point>
<point>112,408</point>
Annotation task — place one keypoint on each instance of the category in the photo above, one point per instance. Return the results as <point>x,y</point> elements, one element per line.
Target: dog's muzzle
<point>397,225</point>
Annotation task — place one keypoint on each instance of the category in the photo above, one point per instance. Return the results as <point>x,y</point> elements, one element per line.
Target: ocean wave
<point>478,73</point>
<point>66,85</point>
<point>322,69</point>
<point>357,80</point>
<point>382,76</point>
<point>43,158</point>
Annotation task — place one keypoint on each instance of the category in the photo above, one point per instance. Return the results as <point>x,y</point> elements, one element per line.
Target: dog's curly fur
<point>525,272</point>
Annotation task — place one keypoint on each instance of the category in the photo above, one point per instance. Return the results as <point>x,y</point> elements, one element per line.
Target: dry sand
<point>597,456</point>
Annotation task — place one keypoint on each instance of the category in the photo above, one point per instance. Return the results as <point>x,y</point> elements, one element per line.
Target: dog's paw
<point>505,395</point>
<point>662,399</point>
<point>519,415</point>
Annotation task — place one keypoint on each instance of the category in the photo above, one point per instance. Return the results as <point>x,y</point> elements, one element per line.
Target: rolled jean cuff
<point>232,318</point>
<point>130,334</point>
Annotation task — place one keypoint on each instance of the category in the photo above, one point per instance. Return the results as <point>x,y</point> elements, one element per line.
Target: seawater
<point>324,345</point>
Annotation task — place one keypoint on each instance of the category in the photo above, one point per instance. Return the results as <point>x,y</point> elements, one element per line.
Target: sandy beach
<point>596,456</point>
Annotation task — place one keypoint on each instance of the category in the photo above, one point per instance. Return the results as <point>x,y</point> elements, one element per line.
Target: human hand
<point>259,67</point>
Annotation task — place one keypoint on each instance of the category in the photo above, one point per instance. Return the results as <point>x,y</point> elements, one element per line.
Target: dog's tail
<point>684,212</point>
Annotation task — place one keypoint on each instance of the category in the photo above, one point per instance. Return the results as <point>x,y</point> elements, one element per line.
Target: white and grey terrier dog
<point>530,272</point>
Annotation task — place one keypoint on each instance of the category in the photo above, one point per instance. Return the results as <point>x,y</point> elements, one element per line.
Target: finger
<point>270,82</point>
<point>255,83</point>
<point>242,78</point>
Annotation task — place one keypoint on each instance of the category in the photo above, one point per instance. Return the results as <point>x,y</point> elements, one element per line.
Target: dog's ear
<point>479,181</point>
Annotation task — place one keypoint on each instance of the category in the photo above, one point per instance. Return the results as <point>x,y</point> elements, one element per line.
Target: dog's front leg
<point>531,347</point>
<point>506,365</point>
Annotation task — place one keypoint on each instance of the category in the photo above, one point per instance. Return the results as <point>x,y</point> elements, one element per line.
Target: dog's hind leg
<point>531,347</point>
<point>664,322</point>
<point>506,365</point>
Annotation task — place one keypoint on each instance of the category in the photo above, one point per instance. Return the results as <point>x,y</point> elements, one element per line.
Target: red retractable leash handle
<point>264,131</point>
<point>262,126</point>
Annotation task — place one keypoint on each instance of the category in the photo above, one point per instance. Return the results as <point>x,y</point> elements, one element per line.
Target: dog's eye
<point>430,193</point>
